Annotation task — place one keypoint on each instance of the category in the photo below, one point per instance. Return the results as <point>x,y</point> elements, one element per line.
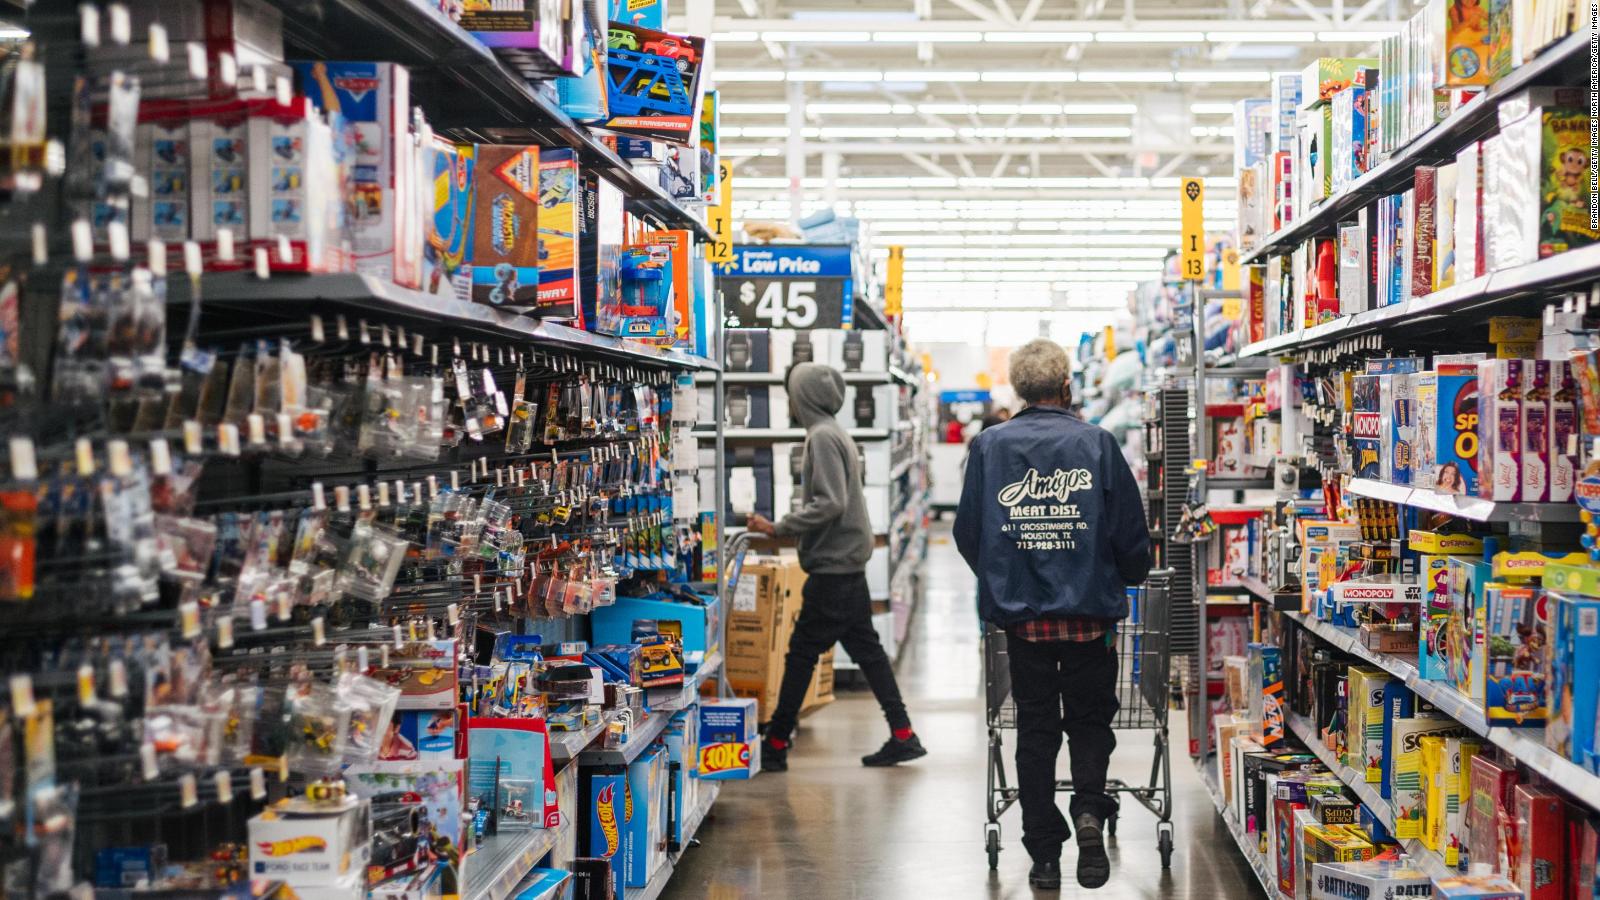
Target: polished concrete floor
<point>830,829</point>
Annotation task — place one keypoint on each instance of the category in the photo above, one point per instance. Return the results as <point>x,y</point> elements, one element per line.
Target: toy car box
<point>304,846</point>
<point>449,219</point>
<point>728,742</point>
<point>503,244</point>
<point>653,84</point>
<point>607,825</point>
<point>646,848</point>
<point>532,35</point>
<point>558,233</point>
<point>701,623</point>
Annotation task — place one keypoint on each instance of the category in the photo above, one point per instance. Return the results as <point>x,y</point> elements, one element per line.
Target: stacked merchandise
<point>338,599</point>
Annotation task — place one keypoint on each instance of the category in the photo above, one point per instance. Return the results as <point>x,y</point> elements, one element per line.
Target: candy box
<point>1515,637</point>
<point>1371,880</point>
<point>1476,887</point>
<point>503,244</point>
<point>1500,389</point>
<point>1541,818</point>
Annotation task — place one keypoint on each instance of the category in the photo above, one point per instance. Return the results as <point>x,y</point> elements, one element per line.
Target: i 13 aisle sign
<point>803,286</point>
<point>1192,202</point>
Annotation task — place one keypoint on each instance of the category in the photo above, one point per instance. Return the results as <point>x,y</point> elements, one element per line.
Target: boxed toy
<point>162,150</point>
<point>531,34</point>
<point>680,247</point>
<point>1424,196</point>
<point>306,844</point>
<point>1469,580</point>
<point>449,219</point>
<point>1465,27</point>
<point>1572,690</point>
<point>1492,784</point>
<point>1501,386</point>
<point>1446,761</point>
<point>699,625</point>
<point>1444,227</point>
<point>653,83</point>
<point>609,823</point>
<point>1354,254</point>
<point>1372,879</point>
<point>1537,453</point>
<point>1563,431</point>
<point>369,107</point>
<point>646,849</point>
<point>1447,430</point>
<point>221,198</point>
<point>558,227</point>
<point>1400,395</point>
<point>1540,866</point>
<point>1366,439</point>
<point>682,741</point>
<point>503,243</point>
<point>1476,887</point>
<point>505,754</point>
<point>1328,76</point>
<point>1365,720</point>
<point>1541,202</point>
<point>729,747</point>
<point>1469,241</point>
<point>292,182</point>
<point>1511,681</point>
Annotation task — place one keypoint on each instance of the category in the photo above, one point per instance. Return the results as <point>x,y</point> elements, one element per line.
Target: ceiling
<point>1026,152</point>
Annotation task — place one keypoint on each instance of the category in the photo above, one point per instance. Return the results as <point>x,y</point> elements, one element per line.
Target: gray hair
<point>1038,370</point>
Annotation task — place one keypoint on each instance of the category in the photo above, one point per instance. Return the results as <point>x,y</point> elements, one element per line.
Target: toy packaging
<point>1373,879</point>
<point>530,34</point>
<point>310,845</point>
<point>369,107</point>
<point>1572,689</point>
<point>1492,785</point>
<point>609,822</point>
<point>505,752</point>
<point>1466,44</point>
<point>680,248</point>
<point>163,150</point>
<point>449,219</point>
<point>1400,451</point>
<point>1328,76</point>
<point>291,177</point>
<point>1471,259</point>
<point>1447,430</point>
<point>646,849</point>
<point>1366,714</point>
<point>1513,677</point>
<point>1366,439</point>
<point>1444,227</point>
<point>1501,385</point>
<point>221,155</point>
<point>1476,887</point>
<point>1540,865</point>
<point>1469,580</point>
<point>1563,431</point>
<point>1407,794</point>
<point>503,245</point>
<point>1536,433</point>
<point>729,748</point>
<point>653,84</point>
<point>558,234</point>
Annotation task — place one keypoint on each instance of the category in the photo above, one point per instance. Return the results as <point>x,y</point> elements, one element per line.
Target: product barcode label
<point>1588,621</point>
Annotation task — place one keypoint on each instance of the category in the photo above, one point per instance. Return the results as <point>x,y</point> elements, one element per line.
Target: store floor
<point>832,830</point>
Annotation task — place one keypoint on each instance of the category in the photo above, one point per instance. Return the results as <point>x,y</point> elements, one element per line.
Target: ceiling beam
<point>928,165</point>
<point>990,22</point>
<point>976,10</point>
<point>1014,148</point>
<point>1030,12</point>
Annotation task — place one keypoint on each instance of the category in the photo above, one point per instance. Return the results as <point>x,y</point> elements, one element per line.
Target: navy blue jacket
<point>1051,520</point>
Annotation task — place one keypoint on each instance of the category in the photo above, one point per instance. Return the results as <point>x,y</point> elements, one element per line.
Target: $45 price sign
<point>787,287</point>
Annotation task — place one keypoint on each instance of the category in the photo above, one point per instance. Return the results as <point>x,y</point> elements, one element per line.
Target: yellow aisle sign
<point>1230,269</point>
<point>1192,200</point>
<point>894,283</point>
<point>721,220</point>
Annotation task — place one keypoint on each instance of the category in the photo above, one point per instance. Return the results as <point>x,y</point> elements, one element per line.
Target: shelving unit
<point>1247,846</point>
<point>691,826</point>
<point>494,870</point>
<point>1473,508</point>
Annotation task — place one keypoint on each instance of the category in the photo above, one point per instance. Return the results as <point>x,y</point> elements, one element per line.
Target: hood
<point>816,393</point>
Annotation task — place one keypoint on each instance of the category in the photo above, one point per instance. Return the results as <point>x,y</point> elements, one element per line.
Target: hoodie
<point>834,532</point>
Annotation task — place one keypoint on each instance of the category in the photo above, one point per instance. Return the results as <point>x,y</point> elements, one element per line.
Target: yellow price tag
<point>894,283</point>
<point>1230,269</point>
<point>721,216</point>
<point>1192,201</point>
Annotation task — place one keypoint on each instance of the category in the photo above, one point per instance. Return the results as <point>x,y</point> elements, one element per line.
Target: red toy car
<point>673,49</point>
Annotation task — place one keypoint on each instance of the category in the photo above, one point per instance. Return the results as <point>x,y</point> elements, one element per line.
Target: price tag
<point>1191,203</point>
<point>228,69</point>
<point>225,244</point>
<point>193,263</point>
<point>454,614</point>
<point>89,24</point>
<point>318,499</point>
<point>86,685</point>
<point>121,28</point>
<point>118,459</point>
<point>228,439</point>
<point>285,606</point>
<point>257,425</point>
<point>319,635</point>
<point>258,784</point>
<point>117,238</point>
<point>364,497</point>
<point>361,659</point>
<point>82,241</point>
<point>224,632</point>
<point>147,761</point>
<point>22,702</point>
<point>188,791</point>
<point>160,49</point>
<point>258,615</point>
<point>317,334</point>
<point>285,430</point>
<point>117,678</point>
<point>285,252</point>
<point>41,244</point>
<point>383,495</point>
<point>198,67</point>
<point>224,782</point>
<point>341,498</point>
<point>84,451</point>
<point>156,253</point>
<point>189,619</point>
<point>285,95</point>
<point>24,462</point>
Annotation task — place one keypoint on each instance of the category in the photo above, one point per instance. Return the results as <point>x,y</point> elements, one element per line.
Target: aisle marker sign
<point>894,283</point>
<point>721,222</point>
<point>1192,200</point>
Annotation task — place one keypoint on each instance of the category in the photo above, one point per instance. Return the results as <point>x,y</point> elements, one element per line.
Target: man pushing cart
<point>1052,523</point>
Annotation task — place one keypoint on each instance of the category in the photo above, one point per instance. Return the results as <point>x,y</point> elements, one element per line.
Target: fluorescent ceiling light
<point>1019,109</point>
<point>724,75</point>
<point>1025,77</point>
<point>862,131</point>
<point>1343,37</point>
<point>732,151</point>
<point>947,109</point>
<point>1096,109</point>
<point>857,109</point>
<point>1211,109</point>
<point>735,37</point>
<point>920,75</point>
<point>1127,77</point>
<point>817,37</point>
<point>1038,37</point>
<point>756,109</point>
<point>812,75</point>
<point>1221,76</point>
<point>1211,131</point>
<point>1150,37</point>
<point>1260,37</point>
<point>1088,131</point>
<point>927,37</point>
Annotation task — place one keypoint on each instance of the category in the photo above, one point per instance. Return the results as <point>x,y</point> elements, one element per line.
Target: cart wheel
<point>1164,843</point>
<point>991,843</point>
<point>1111,827</point>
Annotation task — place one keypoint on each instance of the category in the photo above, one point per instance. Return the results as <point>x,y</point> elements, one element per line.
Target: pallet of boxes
<point>766,604</point>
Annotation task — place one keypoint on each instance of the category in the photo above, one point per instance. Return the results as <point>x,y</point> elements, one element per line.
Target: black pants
<point>835,609</point>
<point>1062,686</point>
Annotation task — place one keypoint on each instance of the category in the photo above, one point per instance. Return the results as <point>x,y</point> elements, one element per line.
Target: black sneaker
<point>774,758</point>
<point>1046,876</point>
<point>895,751</point>
<point>1094,867</point>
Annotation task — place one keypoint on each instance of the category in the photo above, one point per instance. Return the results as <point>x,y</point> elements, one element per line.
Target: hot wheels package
<point>371,704</point>
<point>371,562</point>
<point>319,728</point>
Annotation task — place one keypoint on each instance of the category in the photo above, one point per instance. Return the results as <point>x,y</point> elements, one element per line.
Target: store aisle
<point>832,830</point>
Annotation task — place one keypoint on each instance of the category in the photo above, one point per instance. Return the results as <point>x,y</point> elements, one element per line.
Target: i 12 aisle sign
<point>807,286</point>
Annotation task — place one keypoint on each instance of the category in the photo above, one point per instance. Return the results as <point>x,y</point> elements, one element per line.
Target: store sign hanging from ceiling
<point>802,286</point>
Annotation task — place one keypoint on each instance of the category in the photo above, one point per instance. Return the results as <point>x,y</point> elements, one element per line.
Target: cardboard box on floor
<point>760,620</point>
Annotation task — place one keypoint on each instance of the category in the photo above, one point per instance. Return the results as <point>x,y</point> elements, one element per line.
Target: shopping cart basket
<point>1142,691</point>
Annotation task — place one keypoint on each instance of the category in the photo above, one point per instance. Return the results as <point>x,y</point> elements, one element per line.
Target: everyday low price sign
<point>802,287</point>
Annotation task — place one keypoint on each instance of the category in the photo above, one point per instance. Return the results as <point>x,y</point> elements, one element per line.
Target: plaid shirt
<point>1063,628</point>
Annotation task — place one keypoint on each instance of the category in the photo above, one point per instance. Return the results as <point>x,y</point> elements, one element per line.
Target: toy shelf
<point>1526,745</point>
<point>1506,287</point>
<point>1245,842</point>
<point>1473,508</point>
<point>691,825</point>
<point>779,378</point>
<point>501,861</point>
<point>289,294</point>
<point>707,433</point>
<point>1440,143</point>
<point>464,89</point>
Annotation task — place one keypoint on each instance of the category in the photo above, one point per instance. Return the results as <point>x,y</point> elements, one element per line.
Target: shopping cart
<point>1142,690</point>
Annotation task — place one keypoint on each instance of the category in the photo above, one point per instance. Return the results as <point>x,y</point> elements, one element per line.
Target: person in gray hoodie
<point>835,538</point>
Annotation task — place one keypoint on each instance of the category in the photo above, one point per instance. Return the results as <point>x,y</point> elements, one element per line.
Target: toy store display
<point>324,568</point>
